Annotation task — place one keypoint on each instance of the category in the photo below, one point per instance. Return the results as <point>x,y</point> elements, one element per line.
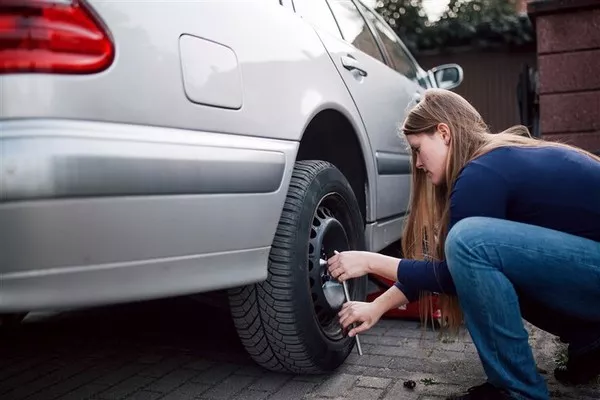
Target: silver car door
<point>382,95</point>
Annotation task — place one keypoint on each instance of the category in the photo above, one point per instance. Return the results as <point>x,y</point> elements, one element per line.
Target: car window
<point>354,28</point>
<point>318,13</point>
<point>400,59</point>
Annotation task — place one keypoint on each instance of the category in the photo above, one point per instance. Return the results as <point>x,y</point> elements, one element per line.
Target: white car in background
<point>156,149</point>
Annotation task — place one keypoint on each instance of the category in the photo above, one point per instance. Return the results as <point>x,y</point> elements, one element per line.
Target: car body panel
<point>72,220</point>
<point>381,97</point>
<point>144,85</point>
<point>166,173</point>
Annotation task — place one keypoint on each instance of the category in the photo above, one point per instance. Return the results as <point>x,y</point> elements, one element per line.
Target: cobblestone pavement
<point>181,349</point>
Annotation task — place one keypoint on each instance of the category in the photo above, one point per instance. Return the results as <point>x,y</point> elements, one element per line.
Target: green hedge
<point>466,24</point>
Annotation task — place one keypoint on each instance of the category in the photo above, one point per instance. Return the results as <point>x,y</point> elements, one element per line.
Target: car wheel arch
<point>332,136</point>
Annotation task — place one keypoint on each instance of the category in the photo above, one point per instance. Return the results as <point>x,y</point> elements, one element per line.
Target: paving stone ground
<point>182,349</point>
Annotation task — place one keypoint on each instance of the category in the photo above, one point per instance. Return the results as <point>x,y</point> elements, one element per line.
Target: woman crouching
<point>503,227</point>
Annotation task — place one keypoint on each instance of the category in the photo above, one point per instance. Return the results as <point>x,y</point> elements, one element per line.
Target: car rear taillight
<point>58,36</point>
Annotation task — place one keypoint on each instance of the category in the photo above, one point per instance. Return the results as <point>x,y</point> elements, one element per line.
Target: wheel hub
<point>327,235</point>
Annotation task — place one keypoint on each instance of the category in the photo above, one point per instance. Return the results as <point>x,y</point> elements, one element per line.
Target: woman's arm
<point>415,275</point>
<point>353,264</point>
<point>412,275</point>
<point>432,276</point>
<point>384,266</point>
<point>391,298</point>
<point>367,314</point>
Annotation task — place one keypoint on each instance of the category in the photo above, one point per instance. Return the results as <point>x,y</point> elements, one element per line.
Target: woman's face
<point>431,151</point>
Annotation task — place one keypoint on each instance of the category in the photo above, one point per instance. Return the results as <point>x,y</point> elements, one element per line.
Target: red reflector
<point>52,36</point>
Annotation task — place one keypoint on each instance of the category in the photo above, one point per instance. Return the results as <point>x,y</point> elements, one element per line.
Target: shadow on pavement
<point>180,325</point>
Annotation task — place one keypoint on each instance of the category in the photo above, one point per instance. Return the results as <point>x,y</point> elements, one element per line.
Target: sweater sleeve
<point>478,191</point>
<point>410,293</point>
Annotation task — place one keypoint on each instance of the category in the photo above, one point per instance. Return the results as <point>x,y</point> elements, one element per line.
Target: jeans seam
<point>500,269</point>
<point>487,318</point>
<point>541,252</point>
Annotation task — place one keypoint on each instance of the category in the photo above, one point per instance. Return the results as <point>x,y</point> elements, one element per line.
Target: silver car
<point>156,149</point>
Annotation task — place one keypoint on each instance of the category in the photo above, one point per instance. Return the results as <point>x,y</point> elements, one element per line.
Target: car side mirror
<point>447,76</point>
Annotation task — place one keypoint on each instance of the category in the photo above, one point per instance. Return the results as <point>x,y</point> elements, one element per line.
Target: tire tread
<point>267,327</point>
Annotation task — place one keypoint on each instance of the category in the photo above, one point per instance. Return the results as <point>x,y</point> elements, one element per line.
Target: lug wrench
<point>323,263</point>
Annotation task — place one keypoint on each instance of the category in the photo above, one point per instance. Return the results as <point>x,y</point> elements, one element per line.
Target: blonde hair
<point>427,224</point>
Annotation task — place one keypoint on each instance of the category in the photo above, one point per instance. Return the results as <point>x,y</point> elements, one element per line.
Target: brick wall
<point>568,47</point>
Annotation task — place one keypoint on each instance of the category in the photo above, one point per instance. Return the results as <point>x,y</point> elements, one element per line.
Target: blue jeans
<point>505,271</point>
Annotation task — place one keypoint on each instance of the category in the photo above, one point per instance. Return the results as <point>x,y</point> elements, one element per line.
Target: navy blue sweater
<point>549,187</point>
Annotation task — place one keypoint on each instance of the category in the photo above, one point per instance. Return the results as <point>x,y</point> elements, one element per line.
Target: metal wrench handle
<point>345,286</point>
<point>347,295</point>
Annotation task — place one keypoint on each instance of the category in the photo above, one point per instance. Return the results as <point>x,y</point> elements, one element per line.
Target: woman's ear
<point>444,131</point>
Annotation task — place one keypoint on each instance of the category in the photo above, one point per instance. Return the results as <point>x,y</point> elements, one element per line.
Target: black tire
<point>286,323</point>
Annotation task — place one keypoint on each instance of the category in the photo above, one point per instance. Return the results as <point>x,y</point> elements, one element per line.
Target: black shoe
<point>486,391</point>
<point>580,369</point>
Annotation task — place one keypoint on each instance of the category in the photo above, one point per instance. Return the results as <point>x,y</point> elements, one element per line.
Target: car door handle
<point>351,64</point>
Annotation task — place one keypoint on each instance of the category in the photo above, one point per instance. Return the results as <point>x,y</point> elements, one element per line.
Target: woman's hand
<point>367,314</point>
<point>349,264</point>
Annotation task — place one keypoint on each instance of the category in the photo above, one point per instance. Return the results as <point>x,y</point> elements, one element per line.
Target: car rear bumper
<point>97,213</point>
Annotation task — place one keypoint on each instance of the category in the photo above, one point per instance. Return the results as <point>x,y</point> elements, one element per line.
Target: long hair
<point>426,228</point>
